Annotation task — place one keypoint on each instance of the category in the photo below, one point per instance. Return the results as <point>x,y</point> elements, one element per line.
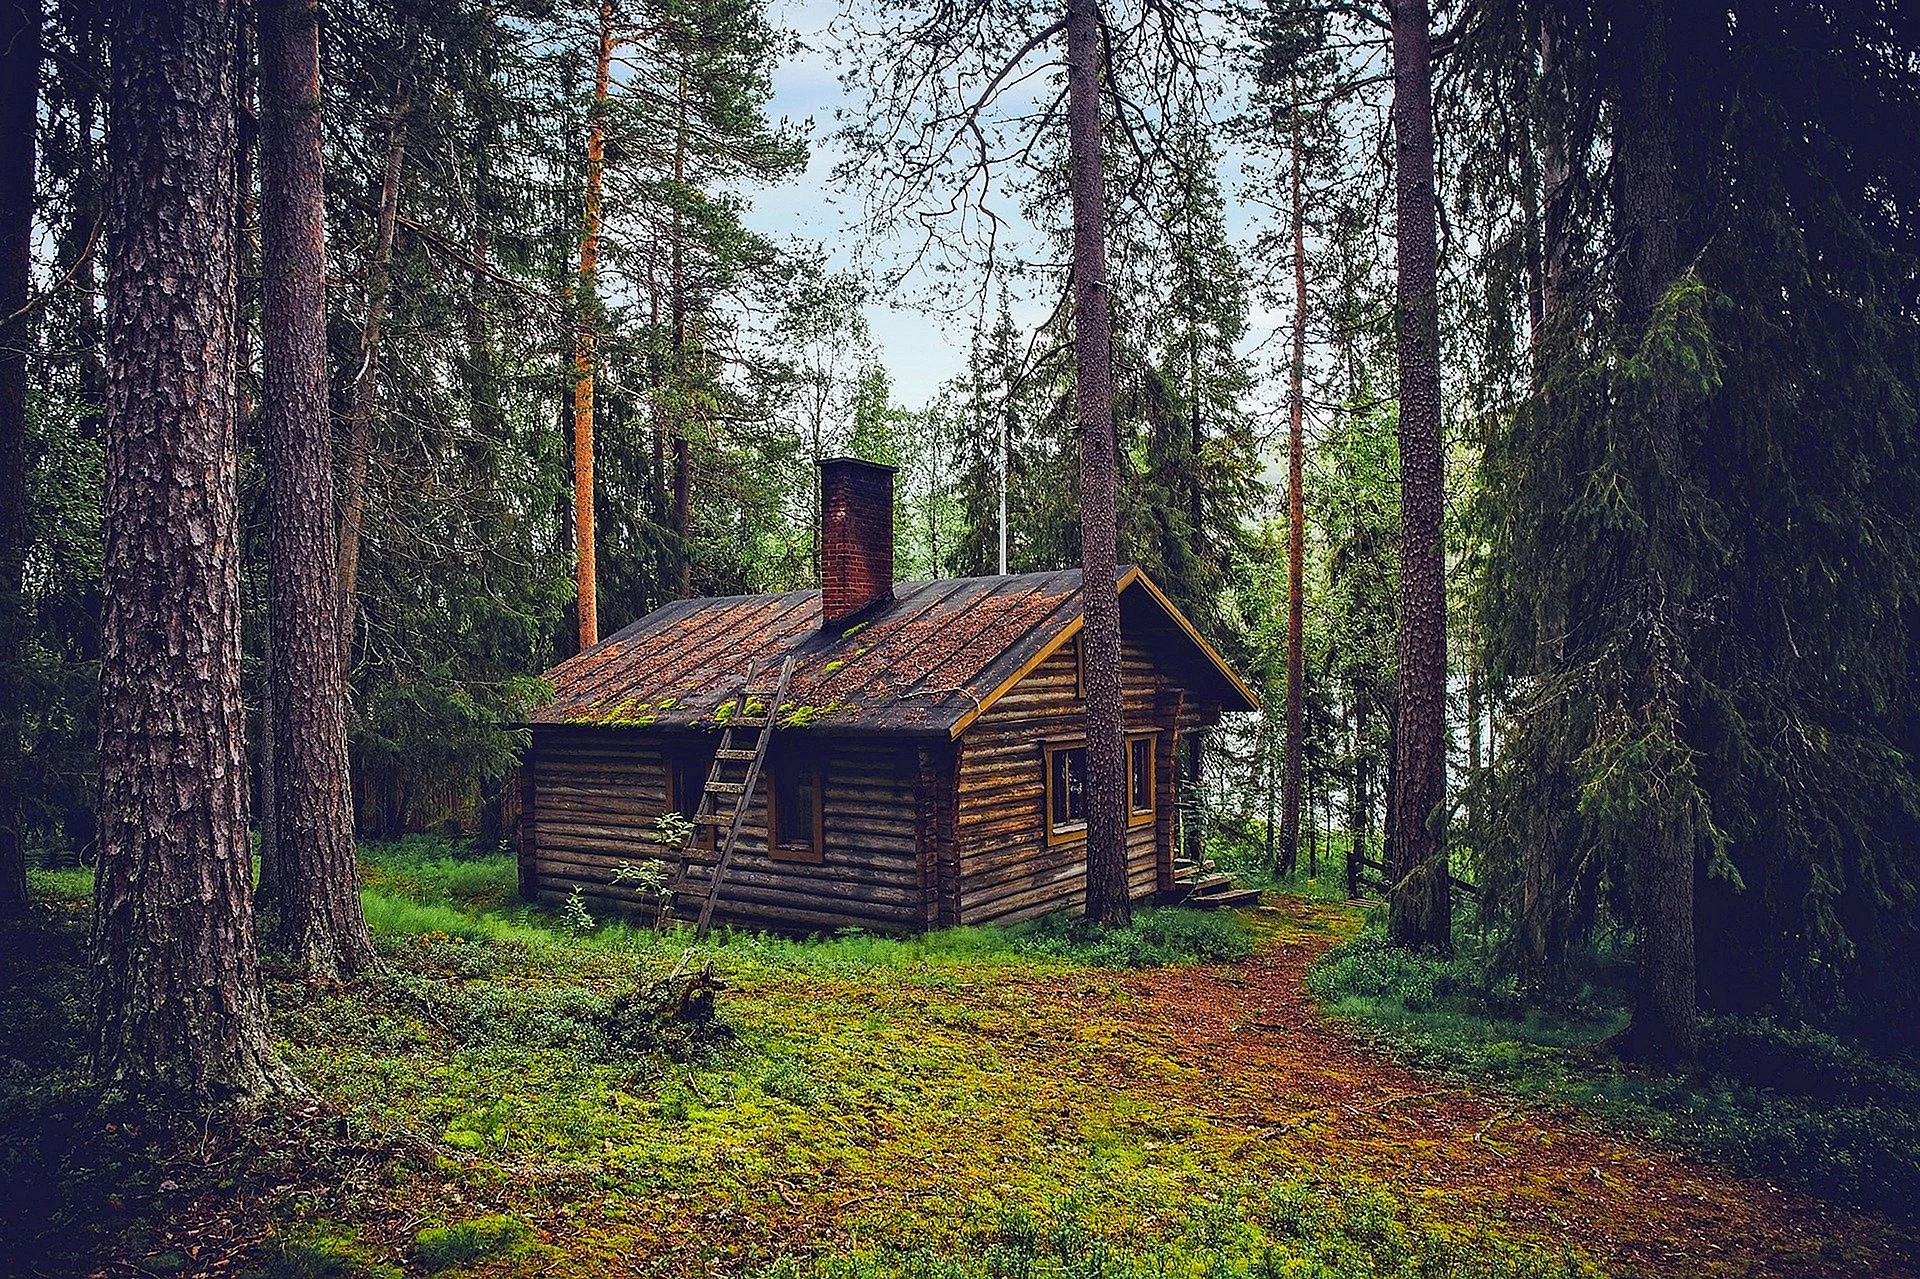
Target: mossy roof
<point>926,662</point>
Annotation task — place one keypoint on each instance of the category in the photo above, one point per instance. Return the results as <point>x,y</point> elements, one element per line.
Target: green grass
<point>1785,1103</point>
<point>423,885</point>
<point>60,885</point>
<point>446,1247</point>
<point>1293,1228</point>
<point>321,1251</point>
<point>500,1096</point>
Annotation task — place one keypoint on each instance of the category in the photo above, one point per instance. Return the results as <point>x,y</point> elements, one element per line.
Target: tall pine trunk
<point>177,1008</point>
<point>312,912</point>
<point>19,112</point>
<point>584,340</point>
<point>1665,1024</point>
<point>1296,531</point>
<point>366,377</point>
<point>1108,900</point>
<point>1420,903</point>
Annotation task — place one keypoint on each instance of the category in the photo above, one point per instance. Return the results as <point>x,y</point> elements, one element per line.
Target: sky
<point>919,351</point>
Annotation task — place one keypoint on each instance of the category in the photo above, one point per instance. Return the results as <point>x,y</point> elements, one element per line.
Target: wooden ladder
<point>734,792</point>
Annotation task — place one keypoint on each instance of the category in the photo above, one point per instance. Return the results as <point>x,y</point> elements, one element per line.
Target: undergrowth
<point>1785,1103</point>
<point>426,886</point>
<point>1238,847</point>
<point>1287,1229</point>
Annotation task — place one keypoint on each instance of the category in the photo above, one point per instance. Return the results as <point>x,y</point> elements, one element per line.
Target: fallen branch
<point>1488,1126</point>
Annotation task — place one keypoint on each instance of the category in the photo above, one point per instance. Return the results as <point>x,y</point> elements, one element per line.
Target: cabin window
<point>1140,779</point>
<point>686,778</point>
<point>795,826</point>
<point>1066,792</point>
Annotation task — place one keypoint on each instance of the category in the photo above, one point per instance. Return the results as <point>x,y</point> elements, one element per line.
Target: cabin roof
<point>927,662</point>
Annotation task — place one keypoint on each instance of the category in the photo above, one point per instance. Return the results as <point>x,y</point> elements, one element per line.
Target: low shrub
<point>1807,1062</point>
<point>1788,1103</point>
<point>1156,937</point>
<point>1368,968</point>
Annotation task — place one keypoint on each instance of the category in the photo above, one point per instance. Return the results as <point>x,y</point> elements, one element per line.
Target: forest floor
<point>973,1104</point>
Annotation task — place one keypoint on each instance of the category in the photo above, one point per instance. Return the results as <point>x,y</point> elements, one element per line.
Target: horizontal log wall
<point>1008,871</point>
<point>592,796</point>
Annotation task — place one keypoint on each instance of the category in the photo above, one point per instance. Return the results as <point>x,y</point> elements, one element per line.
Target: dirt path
<point>1287,1085</point>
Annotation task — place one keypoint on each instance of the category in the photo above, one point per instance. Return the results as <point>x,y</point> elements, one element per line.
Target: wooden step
<point>1210,883</point>
<point>742,756</point>
<point>1230,899</point>
<point>727,788</point>
<point>721,820</point>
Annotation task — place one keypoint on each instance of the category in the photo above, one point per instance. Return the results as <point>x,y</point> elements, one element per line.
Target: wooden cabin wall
<point>591,797</point>
<point>1007,869</point>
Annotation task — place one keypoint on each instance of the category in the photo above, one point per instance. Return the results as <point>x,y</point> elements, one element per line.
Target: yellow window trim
<point>1136,815</point>
<point>1072,833</point>
<point>1077,831</point>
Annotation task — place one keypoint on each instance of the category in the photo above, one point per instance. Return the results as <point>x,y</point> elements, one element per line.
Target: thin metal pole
<point>1005,448</point>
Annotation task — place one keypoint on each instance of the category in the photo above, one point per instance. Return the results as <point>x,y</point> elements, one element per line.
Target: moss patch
<point>1040,1100</point>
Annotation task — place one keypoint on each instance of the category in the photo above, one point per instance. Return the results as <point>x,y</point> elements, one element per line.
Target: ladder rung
<point>726,788</point>
<point>739,755</point>
<point>713,819</point>
<point>747,721</point>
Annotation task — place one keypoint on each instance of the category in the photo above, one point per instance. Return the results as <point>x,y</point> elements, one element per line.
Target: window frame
<point>815,853</point>
<point>1072,832</point>
<point>1136,815</point>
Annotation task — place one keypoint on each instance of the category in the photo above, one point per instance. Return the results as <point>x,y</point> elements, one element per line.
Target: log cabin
<point>925,768</point>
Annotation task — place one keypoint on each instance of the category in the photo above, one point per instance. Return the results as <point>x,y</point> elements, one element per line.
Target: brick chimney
<point>856,539</point>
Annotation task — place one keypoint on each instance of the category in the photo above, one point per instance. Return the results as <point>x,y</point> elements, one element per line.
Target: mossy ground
<point>982,1102</point>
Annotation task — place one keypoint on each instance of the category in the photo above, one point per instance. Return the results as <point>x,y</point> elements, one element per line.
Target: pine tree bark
<point>19,114</point>
<point>1665,1022</point>
<point>366,378</point>
<point>1108,900</point>
<point>177,1008</point>
<point>584,340</point>
<point>1420,903</point>
<point>1296,531</point>
<point>312,913</point>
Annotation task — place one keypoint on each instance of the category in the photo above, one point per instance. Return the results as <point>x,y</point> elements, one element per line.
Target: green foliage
<point>428,869</point>
<point>1293,1228</point>
<point>1157,936</point>
<point>447,1247</point>
<point>1367,971</point>
<point>321,1251</point>
<point>1706,629</point>
<point>62,885</point>
<point>1784,1103</point>
<point>574,915</point>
